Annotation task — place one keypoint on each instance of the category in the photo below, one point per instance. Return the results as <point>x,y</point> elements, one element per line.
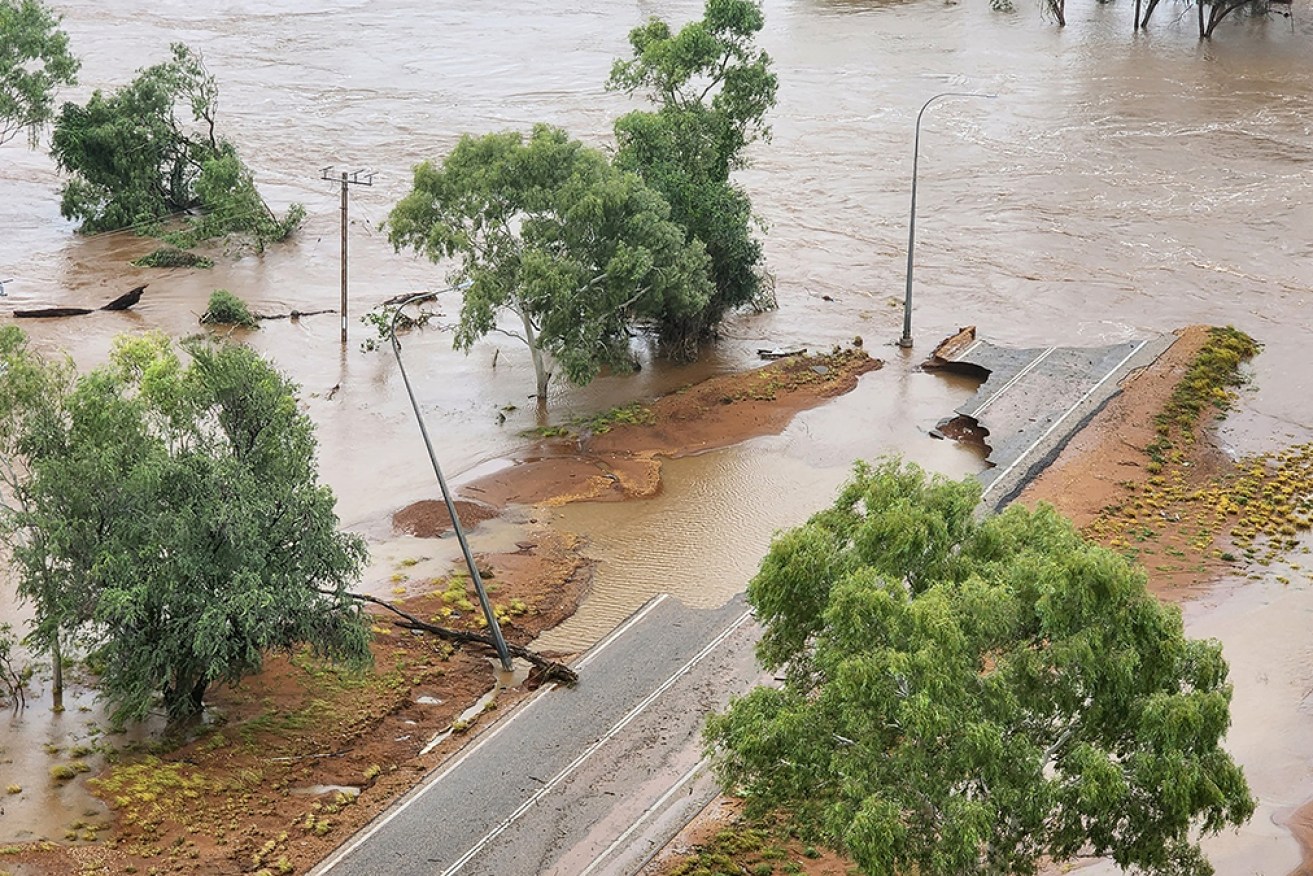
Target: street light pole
<point>906,340</point>
<point>488,613</point>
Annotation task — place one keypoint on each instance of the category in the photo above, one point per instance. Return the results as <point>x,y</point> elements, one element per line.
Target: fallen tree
<point>549,670</point>
<point>123,302</point>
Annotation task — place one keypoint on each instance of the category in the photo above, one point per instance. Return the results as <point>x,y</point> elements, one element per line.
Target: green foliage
<point>232,205</point>
<point>1206,384</point>
<point>172,257</point>
<point>33,421</point>
<point>172,517</point>
<point>967,696</point>
<point>549,230</point>
<point>34,61</point>
<point>11,679</point>
<point>227,309</point>
<point>712,88</point>
<point>134,163</point>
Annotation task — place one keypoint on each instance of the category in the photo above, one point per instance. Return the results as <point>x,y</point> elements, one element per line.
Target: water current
<point>1119,185</point>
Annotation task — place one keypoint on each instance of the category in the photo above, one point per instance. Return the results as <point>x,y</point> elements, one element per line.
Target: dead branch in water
<point>295,314</point>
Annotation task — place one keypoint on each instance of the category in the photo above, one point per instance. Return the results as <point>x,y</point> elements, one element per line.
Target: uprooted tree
<point>546,228</point>
<point>150,152</point>
<point>967,697</point>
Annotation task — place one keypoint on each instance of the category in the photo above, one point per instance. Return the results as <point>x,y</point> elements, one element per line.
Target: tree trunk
<point>57,676</point>
<point>540,372</point>
<point>1058,7</point>
<point>1136,22</point>
<point>1200,4</point>
<point>1153,4</point>
<point>123,302</point>
<point>184,700</point>
<point>1220,11</point>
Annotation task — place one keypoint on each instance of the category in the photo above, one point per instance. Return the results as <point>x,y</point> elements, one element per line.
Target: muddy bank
<point>618,456</point>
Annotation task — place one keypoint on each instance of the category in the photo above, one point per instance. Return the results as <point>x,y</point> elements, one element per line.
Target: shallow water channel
<point>1119,185</point>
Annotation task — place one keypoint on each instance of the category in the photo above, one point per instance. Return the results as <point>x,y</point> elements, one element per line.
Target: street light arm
<point>906,340</point>
<point>493,626</point>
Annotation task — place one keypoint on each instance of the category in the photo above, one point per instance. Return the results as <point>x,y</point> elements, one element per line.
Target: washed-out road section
<point>588,780</point>
<point>1034,400</point>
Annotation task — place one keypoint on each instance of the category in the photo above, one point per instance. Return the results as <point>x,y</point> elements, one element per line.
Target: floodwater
<point>1118,185</point>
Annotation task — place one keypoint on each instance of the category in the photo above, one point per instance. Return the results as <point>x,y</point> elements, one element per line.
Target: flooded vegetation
<point>1120,185</point>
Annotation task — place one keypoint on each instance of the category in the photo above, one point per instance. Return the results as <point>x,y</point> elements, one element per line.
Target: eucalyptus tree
<point>581,252</point>
<point>172,519</point>
<point>971,697</point>
<point>34,63</point>
<point>33,424</point>
<point>711,87</point>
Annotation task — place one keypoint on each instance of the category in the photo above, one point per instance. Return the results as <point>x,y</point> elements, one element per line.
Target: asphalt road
<point>576,781</point>
<point>1035,400</point>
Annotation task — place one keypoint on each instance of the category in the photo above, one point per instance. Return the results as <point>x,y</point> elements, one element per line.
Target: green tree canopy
<point>172,518</point>
<point>135,162</point>
<point>34,62</point>
<point>547,228</point>
<point>966,696</point>
<point>712,88</point>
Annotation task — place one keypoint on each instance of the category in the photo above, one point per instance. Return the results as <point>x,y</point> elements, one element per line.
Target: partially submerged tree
<point>548,229</point>
<point>969,696</point>
<point>32,426</point>
<point>711,87</point>
<point>34,62</point>
<point>150,151</point>
<point>181,528</point>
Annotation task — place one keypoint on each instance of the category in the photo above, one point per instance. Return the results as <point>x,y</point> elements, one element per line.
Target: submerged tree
<point>34,62</point>
<point>711,87</point>
<point>176,516</point>
<point>548,229</point>
<point>33,425</point>
<point>969,696</point>
<point>135,162</point>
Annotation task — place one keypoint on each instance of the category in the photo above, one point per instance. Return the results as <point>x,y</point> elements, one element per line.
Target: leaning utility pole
<point>354,178</point>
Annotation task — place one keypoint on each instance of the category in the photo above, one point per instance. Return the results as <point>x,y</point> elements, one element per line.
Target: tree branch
<point>552,670</point>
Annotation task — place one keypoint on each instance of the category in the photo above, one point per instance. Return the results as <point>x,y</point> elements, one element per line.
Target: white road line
<point>583,757</point>
<point>1049,431</point>
<point>329,863</point>
<point>1016,377</point>
<point>620,630</point>
<point>647,813</point>
<point>967,351</point>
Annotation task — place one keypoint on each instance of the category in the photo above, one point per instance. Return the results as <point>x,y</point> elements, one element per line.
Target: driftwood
<point>295,314</point>
<point>50,312</point>
<point>406,296</point>
<point>550,669</point>
<point>123,302</point>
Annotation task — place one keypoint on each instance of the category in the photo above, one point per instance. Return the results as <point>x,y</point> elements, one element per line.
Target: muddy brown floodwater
<point>1119,185</point>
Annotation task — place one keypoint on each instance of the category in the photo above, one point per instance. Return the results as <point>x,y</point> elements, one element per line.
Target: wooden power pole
<point>354,178</point>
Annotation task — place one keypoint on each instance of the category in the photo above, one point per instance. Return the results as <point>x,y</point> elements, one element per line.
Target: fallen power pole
<point>354,178</point>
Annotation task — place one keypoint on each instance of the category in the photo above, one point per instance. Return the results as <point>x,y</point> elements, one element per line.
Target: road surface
<point>579,781</point>
<point>1035,400</point>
